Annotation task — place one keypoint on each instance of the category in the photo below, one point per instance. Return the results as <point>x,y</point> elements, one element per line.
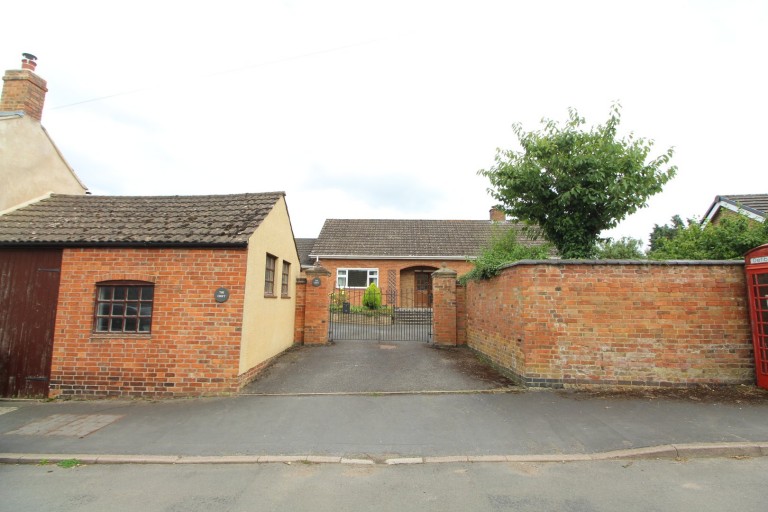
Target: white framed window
<point>356,277</point>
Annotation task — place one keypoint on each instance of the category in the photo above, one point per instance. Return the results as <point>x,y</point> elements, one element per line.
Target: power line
<point>224,72</point>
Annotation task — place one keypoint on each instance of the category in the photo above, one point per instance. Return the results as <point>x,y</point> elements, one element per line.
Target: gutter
<point>375,257</point>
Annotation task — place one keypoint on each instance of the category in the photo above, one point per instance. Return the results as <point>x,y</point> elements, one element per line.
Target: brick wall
<point>636,323</point>
<point>461,315</point>
<point>194,346</point>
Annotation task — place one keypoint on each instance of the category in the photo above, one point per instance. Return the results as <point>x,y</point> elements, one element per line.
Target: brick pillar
<point>444,306</point>
<point>317,305</point>
<point>300,314</point>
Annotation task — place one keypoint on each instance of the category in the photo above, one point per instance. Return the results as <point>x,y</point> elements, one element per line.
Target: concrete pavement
<point>482,419</point>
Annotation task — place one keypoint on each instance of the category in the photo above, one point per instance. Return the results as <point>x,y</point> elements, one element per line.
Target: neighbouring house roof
<point>408,239</point>
<point>754,206</point>
<point>304,246</point>
<point>74,220</point>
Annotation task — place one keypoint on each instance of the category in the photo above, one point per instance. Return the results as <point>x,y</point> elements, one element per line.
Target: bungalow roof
<point>409,239</point>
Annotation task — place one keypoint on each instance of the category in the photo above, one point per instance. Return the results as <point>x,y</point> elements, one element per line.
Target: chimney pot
<point>29,61</point>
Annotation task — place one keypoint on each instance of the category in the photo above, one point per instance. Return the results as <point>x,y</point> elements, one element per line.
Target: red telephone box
<point>756,262</point>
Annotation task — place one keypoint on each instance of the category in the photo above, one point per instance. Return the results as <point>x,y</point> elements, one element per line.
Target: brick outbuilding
<point>144,296</point>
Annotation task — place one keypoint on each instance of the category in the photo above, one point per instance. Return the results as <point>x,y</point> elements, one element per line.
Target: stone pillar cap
<point>445,272</point>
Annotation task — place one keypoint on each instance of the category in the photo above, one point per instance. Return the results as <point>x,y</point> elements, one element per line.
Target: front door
<point>423,295</point>
<point>29,290</point>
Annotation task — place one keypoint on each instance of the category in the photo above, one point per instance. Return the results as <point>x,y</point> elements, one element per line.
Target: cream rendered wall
<point>30,164</point>
<point>268,322</point>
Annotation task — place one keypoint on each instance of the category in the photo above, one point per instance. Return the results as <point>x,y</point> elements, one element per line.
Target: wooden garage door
<point>29,289</point>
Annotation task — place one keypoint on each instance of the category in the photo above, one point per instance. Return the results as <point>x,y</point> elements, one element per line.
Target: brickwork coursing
<point>643,324</point>
<point>194,346</point>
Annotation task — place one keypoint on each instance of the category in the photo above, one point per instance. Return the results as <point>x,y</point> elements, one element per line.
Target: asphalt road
<point>698,485</point>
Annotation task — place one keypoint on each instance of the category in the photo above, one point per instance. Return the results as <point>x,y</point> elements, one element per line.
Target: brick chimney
<point>23,89</point>
<point>497,215</point>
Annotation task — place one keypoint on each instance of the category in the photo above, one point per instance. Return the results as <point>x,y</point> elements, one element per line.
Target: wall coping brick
<point>650,263</point>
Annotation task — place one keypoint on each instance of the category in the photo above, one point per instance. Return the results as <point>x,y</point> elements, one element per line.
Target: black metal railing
<point>402,315</point>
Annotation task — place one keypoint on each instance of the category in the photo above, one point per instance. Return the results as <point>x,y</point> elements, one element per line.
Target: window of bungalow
<point>356,277</point>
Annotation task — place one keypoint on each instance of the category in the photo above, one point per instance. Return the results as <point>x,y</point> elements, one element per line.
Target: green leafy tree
<point>574,183</point>
<point>665,232</point>
<point>625,248</point>
<point>372,297</point>
<point>728,239</point>
<point>504,248</point>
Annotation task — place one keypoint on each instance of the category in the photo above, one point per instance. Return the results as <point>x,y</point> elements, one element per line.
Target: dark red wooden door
<point>29,289</point>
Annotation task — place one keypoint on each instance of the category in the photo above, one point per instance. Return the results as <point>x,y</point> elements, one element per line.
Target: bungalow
<point>144,296</point>
<point>399,256</point>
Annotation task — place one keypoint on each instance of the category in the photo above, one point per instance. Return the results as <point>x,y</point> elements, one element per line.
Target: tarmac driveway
<point>377,367</point>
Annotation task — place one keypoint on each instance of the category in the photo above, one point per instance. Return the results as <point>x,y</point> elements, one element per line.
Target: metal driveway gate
<point>402,316</point>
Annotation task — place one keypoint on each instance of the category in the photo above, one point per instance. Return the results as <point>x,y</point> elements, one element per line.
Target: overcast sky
<point>387,109</point>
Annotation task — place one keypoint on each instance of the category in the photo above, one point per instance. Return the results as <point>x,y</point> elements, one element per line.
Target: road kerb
<point>137,459</point>
<point>357,461</point>
<point>442,460</point>
<point>668,451</point>
<point>665,451</point>
<point>487,458</point>
<point>404,460</point>
<point>319,459</point>
<point>282,458</point>
<point>695,450</point>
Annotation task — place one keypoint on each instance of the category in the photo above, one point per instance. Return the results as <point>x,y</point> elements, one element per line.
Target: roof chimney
<point>497,215</point>
<point>23,89</point>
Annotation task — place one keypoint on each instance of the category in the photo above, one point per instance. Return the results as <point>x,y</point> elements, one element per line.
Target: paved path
<point>541,425</point>
<point>380,403</point>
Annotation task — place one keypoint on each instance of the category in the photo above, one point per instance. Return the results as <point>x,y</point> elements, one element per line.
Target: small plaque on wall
<point>316,282</point>
<point>221,295</point>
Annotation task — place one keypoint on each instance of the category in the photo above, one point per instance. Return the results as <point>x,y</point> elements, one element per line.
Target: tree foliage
<point>730,238</point>
<point>504,248</point>
<point>574,183</point>
<point>625,248</point>
<point>665,232</point>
